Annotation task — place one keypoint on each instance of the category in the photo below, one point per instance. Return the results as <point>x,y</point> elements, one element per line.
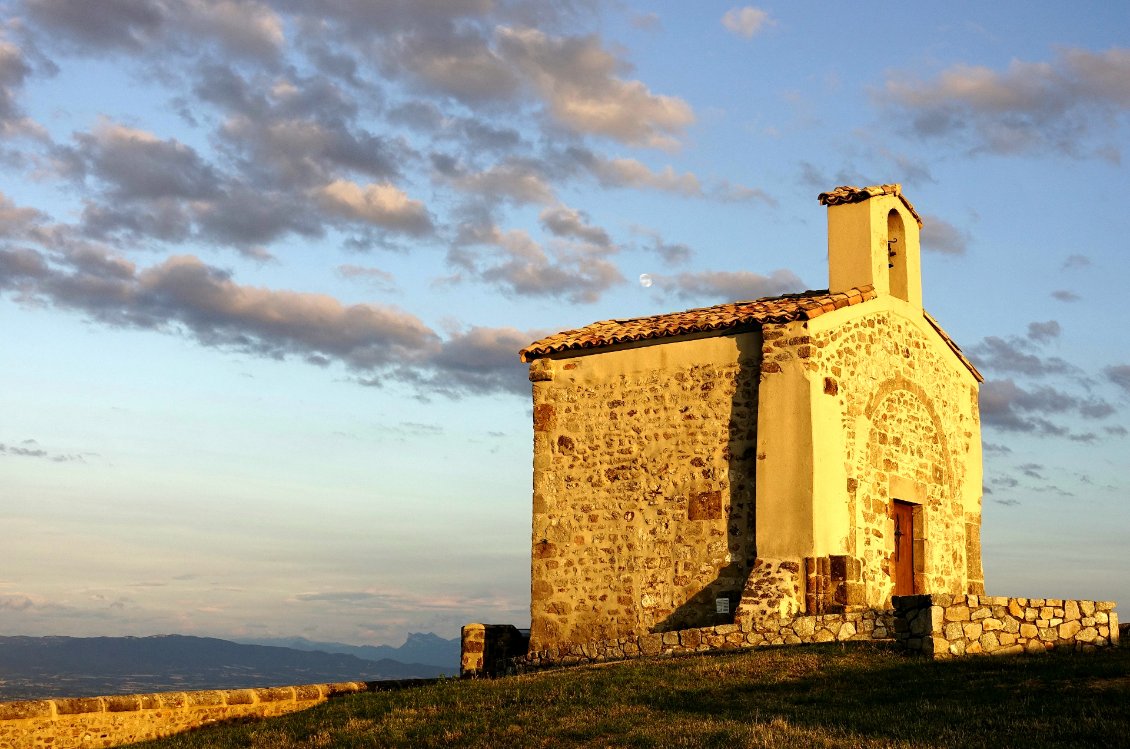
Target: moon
<point>645,280</point>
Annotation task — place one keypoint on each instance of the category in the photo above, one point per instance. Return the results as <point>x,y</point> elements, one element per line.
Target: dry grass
<point>819,696</point>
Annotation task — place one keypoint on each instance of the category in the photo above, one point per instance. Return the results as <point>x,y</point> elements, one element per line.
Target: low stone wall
<point>944,626</point>
<point>124,719</point>
<point>487,648</point>
<point>940,626</point>
<point>860,624</point>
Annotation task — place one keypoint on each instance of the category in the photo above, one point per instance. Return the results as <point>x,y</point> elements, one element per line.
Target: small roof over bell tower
<point>873,239</point>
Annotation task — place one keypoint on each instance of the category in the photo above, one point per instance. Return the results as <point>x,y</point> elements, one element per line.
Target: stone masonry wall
<point>910,424</point>
<point>643,488</point>
<point>859,625</point>
<point>88,722</point>
<point>944,626</point>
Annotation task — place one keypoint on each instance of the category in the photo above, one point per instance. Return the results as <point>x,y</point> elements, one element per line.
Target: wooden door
<point>904,548</point>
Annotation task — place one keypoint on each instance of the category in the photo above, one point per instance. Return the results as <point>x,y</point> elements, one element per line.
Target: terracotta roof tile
<point>850,194</point>
<point>781,309</point>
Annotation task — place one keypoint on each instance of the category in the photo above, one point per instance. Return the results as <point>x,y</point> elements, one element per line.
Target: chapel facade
<point>801,454</point>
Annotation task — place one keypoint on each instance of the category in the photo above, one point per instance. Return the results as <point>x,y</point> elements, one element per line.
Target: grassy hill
<point>817,696</point>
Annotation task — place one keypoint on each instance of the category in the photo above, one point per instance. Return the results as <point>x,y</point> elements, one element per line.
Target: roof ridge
<point>777,309</point>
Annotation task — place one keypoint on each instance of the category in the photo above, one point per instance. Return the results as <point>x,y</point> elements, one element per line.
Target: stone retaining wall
<point>944,626</point>
<point>938,625</point>
<point>857,625</point>
<point>125,719</point>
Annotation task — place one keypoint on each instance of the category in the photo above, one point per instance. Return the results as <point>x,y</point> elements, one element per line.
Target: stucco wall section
<point>643,487</point>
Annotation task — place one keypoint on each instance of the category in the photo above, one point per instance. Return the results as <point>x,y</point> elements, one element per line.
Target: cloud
<point>184,295</point>
<point>519,181</point>
<point>375,276</point>
<point>1009,407</point>
<point>1063,295</point>
<point>1042,332</point>
<point>565,222</point>
<point>1064,105</point>
<point>111,24</point>
<point>459,63</point>
<point>1076,261</point>
<point>137,165</point>
<point>14,71</point>
<point>939,235</point>
<point>577,78</point>
<point>1017,356</point>
<point>728,286</point>
<point>1119,374</point>
<point>386,206</point>
<point>646,21</point>
<point>518,264</point>
<point>633,173</point>
<point>246,27</point>
<point>746,21</point>
<point>672,253</point>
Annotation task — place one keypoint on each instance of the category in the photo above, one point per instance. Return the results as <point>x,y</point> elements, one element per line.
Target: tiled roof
<point>850,194</point>
<point>781,309</point>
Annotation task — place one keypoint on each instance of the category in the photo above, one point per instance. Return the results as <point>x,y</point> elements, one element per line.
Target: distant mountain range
<point>421,647</point>
<point>43,667</point>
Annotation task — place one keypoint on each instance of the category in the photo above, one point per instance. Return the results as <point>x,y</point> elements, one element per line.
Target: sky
<point>265,268</point>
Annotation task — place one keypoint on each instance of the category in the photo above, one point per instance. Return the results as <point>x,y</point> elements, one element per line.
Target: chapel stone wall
<point>643,488</point>
<point>907,408</point>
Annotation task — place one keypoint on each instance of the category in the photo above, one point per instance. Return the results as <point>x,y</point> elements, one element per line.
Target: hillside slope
<point>814,696</point>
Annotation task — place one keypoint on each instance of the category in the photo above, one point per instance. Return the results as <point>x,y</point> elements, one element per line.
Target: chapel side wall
<point>643,487</point>
<point>901,409</point>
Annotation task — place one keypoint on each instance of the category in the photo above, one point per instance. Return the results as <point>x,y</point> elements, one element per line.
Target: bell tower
<point>873,240</point>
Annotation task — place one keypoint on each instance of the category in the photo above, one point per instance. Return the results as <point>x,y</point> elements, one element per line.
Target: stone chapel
<point>801,454</point>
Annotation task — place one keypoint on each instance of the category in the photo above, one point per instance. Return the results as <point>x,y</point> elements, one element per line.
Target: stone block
<point>937,618</point>
<point>25,710</point>
<point>973,630</point>
<point>1010,650</point>
<point>982,612</point>
<point>939,646</point>
<point>957,614</point>
<point>955,631</point>
<point>1011,625</point>
<point>1068,630</point>
<point>847,631</point>
<point>1087,608</point>
<point>1090,634</point>
<point>989,642</point>
<point>1015,609</point>
<point>80,705</point>
<point>121,703</point>
<point>1029,630</point>
<point>823,635</point>
<point>1035,646</point>
<point>992,625</point>
<point>651,644</point>
<point>1071,610</point>
<point>804,626</point>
